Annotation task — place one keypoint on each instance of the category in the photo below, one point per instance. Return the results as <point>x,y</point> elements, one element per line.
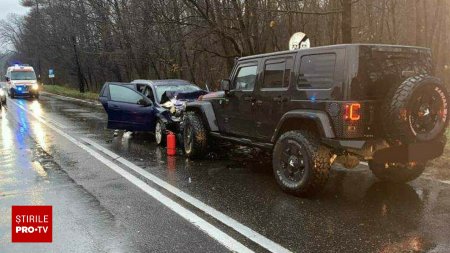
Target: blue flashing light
<point>313,98</point>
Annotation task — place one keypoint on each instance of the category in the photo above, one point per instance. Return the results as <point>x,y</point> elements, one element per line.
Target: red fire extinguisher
<point>171,144</point>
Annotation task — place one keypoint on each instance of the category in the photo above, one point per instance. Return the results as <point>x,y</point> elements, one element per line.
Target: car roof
<point>129,85</point>
<point>381,46</point>
<point>163,82</point>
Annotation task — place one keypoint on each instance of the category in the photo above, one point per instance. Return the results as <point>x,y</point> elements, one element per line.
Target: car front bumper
<point>24,91</point>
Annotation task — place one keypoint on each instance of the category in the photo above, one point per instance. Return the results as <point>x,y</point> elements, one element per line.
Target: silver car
<point>3,93</point>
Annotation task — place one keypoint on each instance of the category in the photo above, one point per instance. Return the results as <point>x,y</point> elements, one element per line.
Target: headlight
<point>35,86</point>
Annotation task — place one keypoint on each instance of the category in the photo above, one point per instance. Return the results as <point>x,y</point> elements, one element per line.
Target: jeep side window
<point>316,71</point>
<point>245,78</point>
<point>277,73</point>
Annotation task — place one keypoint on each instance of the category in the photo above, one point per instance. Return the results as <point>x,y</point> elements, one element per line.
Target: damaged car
<point>148,105</point>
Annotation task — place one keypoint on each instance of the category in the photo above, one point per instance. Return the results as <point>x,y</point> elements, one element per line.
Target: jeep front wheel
<point>300,163</point>
<point>398,173</point>
<point>194,136</point>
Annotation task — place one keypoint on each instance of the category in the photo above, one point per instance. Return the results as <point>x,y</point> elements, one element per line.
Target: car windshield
<point>23,75</point>
<point>180,88</point>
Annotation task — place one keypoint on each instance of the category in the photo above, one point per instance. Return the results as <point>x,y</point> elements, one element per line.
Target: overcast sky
<point>11,6</point>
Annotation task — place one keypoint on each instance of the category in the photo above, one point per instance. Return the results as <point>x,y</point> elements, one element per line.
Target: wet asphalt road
<point>96,209</point>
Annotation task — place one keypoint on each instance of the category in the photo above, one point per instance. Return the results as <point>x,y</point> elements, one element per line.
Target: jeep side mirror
<point>225,85</point>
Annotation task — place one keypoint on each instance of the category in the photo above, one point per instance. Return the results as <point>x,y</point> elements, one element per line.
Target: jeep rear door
<point>271,95</point>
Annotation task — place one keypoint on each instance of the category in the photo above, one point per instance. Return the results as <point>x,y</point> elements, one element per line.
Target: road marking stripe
<point>200,223</point>
<point>230,222</point>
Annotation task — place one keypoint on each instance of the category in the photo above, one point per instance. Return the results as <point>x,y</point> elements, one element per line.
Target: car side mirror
<point>225,85</point>
<point>144,103</point>
<point>7,78</point>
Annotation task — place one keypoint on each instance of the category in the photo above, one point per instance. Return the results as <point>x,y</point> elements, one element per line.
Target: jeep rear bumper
<point>381,152</point>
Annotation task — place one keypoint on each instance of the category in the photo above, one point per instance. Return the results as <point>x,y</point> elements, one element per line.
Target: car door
<point>272,94</point>
<point>129,110</point>
<point>238,108</point>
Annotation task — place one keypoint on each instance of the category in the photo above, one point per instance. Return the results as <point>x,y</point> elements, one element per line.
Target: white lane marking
<point>36,115</point>
<point>70,98</point>
<point>200,223</point>
<point>230,222</point>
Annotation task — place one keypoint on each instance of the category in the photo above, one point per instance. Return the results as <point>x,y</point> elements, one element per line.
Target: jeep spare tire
<point>416,111</point>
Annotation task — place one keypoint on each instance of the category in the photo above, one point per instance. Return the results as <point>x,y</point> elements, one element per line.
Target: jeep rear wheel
<point>194,136</point>
<point>417,110</point>
<point>397,173</point>
<point>301,164</point>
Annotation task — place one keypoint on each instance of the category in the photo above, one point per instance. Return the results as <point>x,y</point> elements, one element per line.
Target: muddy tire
<point>301,165</point>
<point>396,174</point>
<point>195,141</point>
<point>160,133</point>
<point>416,111</point>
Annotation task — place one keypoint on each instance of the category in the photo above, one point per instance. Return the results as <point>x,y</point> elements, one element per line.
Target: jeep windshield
<point>23,75</point>
<point>160,89</point>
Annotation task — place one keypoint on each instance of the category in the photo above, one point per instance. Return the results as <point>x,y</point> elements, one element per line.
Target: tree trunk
<point>346,21</point>
<point>77,61</point>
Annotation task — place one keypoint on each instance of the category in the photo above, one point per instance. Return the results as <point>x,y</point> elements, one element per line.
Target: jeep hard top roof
<point>378,47</point>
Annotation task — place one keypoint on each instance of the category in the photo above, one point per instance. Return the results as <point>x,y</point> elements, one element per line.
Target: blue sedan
<point>147,105</point>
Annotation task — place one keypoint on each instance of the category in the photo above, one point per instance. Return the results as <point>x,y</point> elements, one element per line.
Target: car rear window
<point>316,71</point>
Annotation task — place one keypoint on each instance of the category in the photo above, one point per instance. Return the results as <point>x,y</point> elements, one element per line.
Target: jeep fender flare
<point>206,111</point>
<point>320,119</point>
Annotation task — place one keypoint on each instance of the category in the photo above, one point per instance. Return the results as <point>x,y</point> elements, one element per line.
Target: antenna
<point>299,40</point>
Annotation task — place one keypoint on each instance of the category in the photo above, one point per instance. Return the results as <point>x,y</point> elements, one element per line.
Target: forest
<point>88,42</point>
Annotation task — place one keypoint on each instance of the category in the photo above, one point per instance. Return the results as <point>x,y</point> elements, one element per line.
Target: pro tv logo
<point>32,224</point>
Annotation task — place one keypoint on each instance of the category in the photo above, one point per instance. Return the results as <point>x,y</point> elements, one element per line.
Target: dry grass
<point>70,92</point>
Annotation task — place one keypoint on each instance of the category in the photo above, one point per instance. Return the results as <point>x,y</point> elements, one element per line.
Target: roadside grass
<point>70,92</point>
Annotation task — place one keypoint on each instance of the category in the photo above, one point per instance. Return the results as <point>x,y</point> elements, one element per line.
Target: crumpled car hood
<point>178,98</point>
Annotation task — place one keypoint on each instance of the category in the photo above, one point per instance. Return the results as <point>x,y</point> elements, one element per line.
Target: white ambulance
<point>21,81</point>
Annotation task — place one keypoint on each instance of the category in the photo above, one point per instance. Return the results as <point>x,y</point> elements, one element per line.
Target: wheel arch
<point>206,111</point>
<point>314,121</point>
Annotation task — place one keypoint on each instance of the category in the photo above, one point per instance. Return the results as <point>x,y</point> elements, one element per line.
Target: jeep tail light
<point>353,111</point>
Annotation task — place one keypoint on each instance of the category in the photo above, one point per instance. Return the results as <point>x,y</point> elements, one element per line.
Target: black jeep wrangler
<point>378,103</point>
